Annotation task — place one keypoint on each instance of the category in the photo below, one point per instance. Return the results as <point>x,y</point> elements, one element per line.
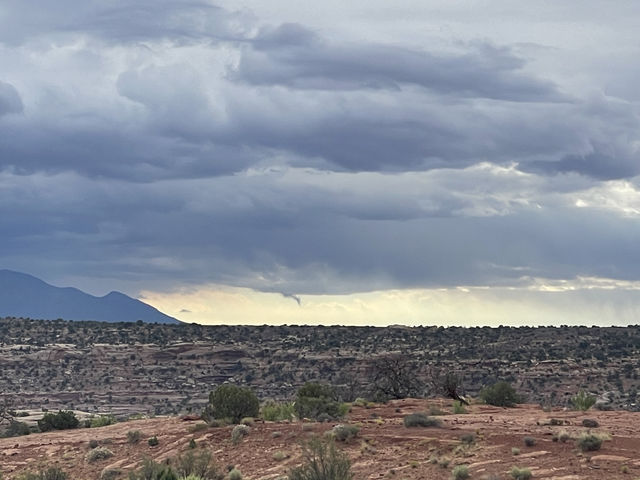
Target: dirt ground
<point>384,447</point>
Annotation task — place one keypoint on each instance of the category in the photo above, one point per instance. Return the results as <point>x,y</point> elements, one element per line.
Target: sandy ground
<point>384,448</point>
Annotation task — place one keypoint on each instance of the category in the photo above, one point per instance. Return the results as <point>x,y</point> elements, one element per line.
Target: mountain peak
<point>23,295</point>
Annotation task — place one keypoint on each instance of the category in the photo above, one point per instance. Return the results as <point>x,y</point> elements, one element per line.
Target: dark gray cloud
<point>291,231</point>
<point>10,101</point>
<point>121,20</point>
<point>296,57</point>
<point>174,142</point>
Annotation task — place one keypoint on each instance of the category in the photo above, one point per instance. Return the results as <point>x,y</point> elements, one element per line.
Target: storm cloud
<point>161,144</point>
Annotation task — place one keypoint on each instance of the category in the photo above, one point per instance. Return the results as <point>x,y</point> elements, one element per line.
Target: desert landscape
<point>156,380</point>
<point>130,368</point>
<point>484,439</point>
<point>336,240</point>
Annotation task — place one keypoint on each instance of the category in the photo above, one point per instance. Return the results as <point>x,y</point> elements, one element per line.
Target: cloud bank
<point>147,146</point>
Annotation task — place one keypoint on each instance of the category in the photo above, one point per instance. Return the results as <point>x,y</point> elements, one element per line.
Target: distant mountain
<point>23,295</point>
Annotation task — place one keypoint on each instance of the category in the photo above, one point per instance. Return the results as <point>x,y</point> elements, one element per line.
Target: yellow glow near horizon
<point>541,304</point>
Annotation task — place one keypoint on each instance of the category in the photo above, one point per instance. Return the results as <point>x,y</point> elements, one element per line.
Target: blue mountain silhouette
<point>23,295</point>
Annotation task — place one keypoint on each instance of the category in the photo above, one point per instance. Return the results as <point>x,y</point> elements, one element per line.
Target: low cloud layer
<point>147,146</point>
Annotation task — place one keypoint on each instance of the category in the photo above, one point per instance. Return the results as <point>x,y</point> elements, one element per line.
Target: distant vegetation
<point>187,361</point>
<point>63,420</point>
<point>500,394</point>
<point>232,403</point>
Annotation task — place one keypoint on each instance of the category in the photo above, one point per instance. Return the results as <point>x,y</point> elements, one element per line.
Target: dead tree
<point>394,376</point>
<point>448,383</point>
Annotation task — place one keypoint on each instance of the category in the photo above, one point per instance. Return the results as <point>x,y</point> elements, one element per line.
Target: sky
<point>358,163</point>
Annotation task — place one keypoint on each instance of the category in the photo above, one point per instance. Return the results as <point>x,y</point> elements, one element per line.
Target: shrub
<point>324,417</point>
<point>420,420</point>
<point>590,423</point>
<point>103,421</point>
<point>110,474</point>
<point>461,472</point>
<point>279,456</point>
<point>151,470</point>
<point>344,432</point>
<point>235,474</point>
<point>192,444</point>
<point>276,411</point>
<point>232,402</point>
<point>458,407</point>
<point>515,451</point>
<point>199,465</point>
<point>500,394</point>
<point>588,442</point>
<point>63,420</point>
<point>134,436</point>
<point>322,461</point>
<point>93,443</point>
<point>583,401</point>
<point>16,429</point>
<point>468,438</point>
<point>314,399</point>
<point>520,473</point>
<point>98,453</point>
<point>561,436</point>
<point>52,473</point>
<point>153,441</point>
<point>238,433</point>
<point>529,441</point>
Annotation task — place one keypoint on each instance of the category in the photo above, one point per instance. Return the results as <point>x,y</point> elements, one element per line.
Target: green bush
<point>63,420</point>
<point>232,402</point>
<point>151,470</point>
<point>561,436</point>
<point>420,420</point>
<point>98,453</point>
<point>110,474</point>
<point>589,442</point>
<point>16,429</point>
<point>344,432</point>
<point>500,394</point>
<point>583,401</point>
<point>322,461</point>
<point>458,407</point>
<point>52,473</point>
<point>461,472</point>
<point>520,473</point>
<point>238,433</point>
<point>590,423</point>
<point>134,436</point>
<point>153,441</point>
<point>235,474</point>
<point>277,411</point>
<point>103,421</point>
<point>199,465</point>
<point>529,441</point>
<point>315,399</point>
